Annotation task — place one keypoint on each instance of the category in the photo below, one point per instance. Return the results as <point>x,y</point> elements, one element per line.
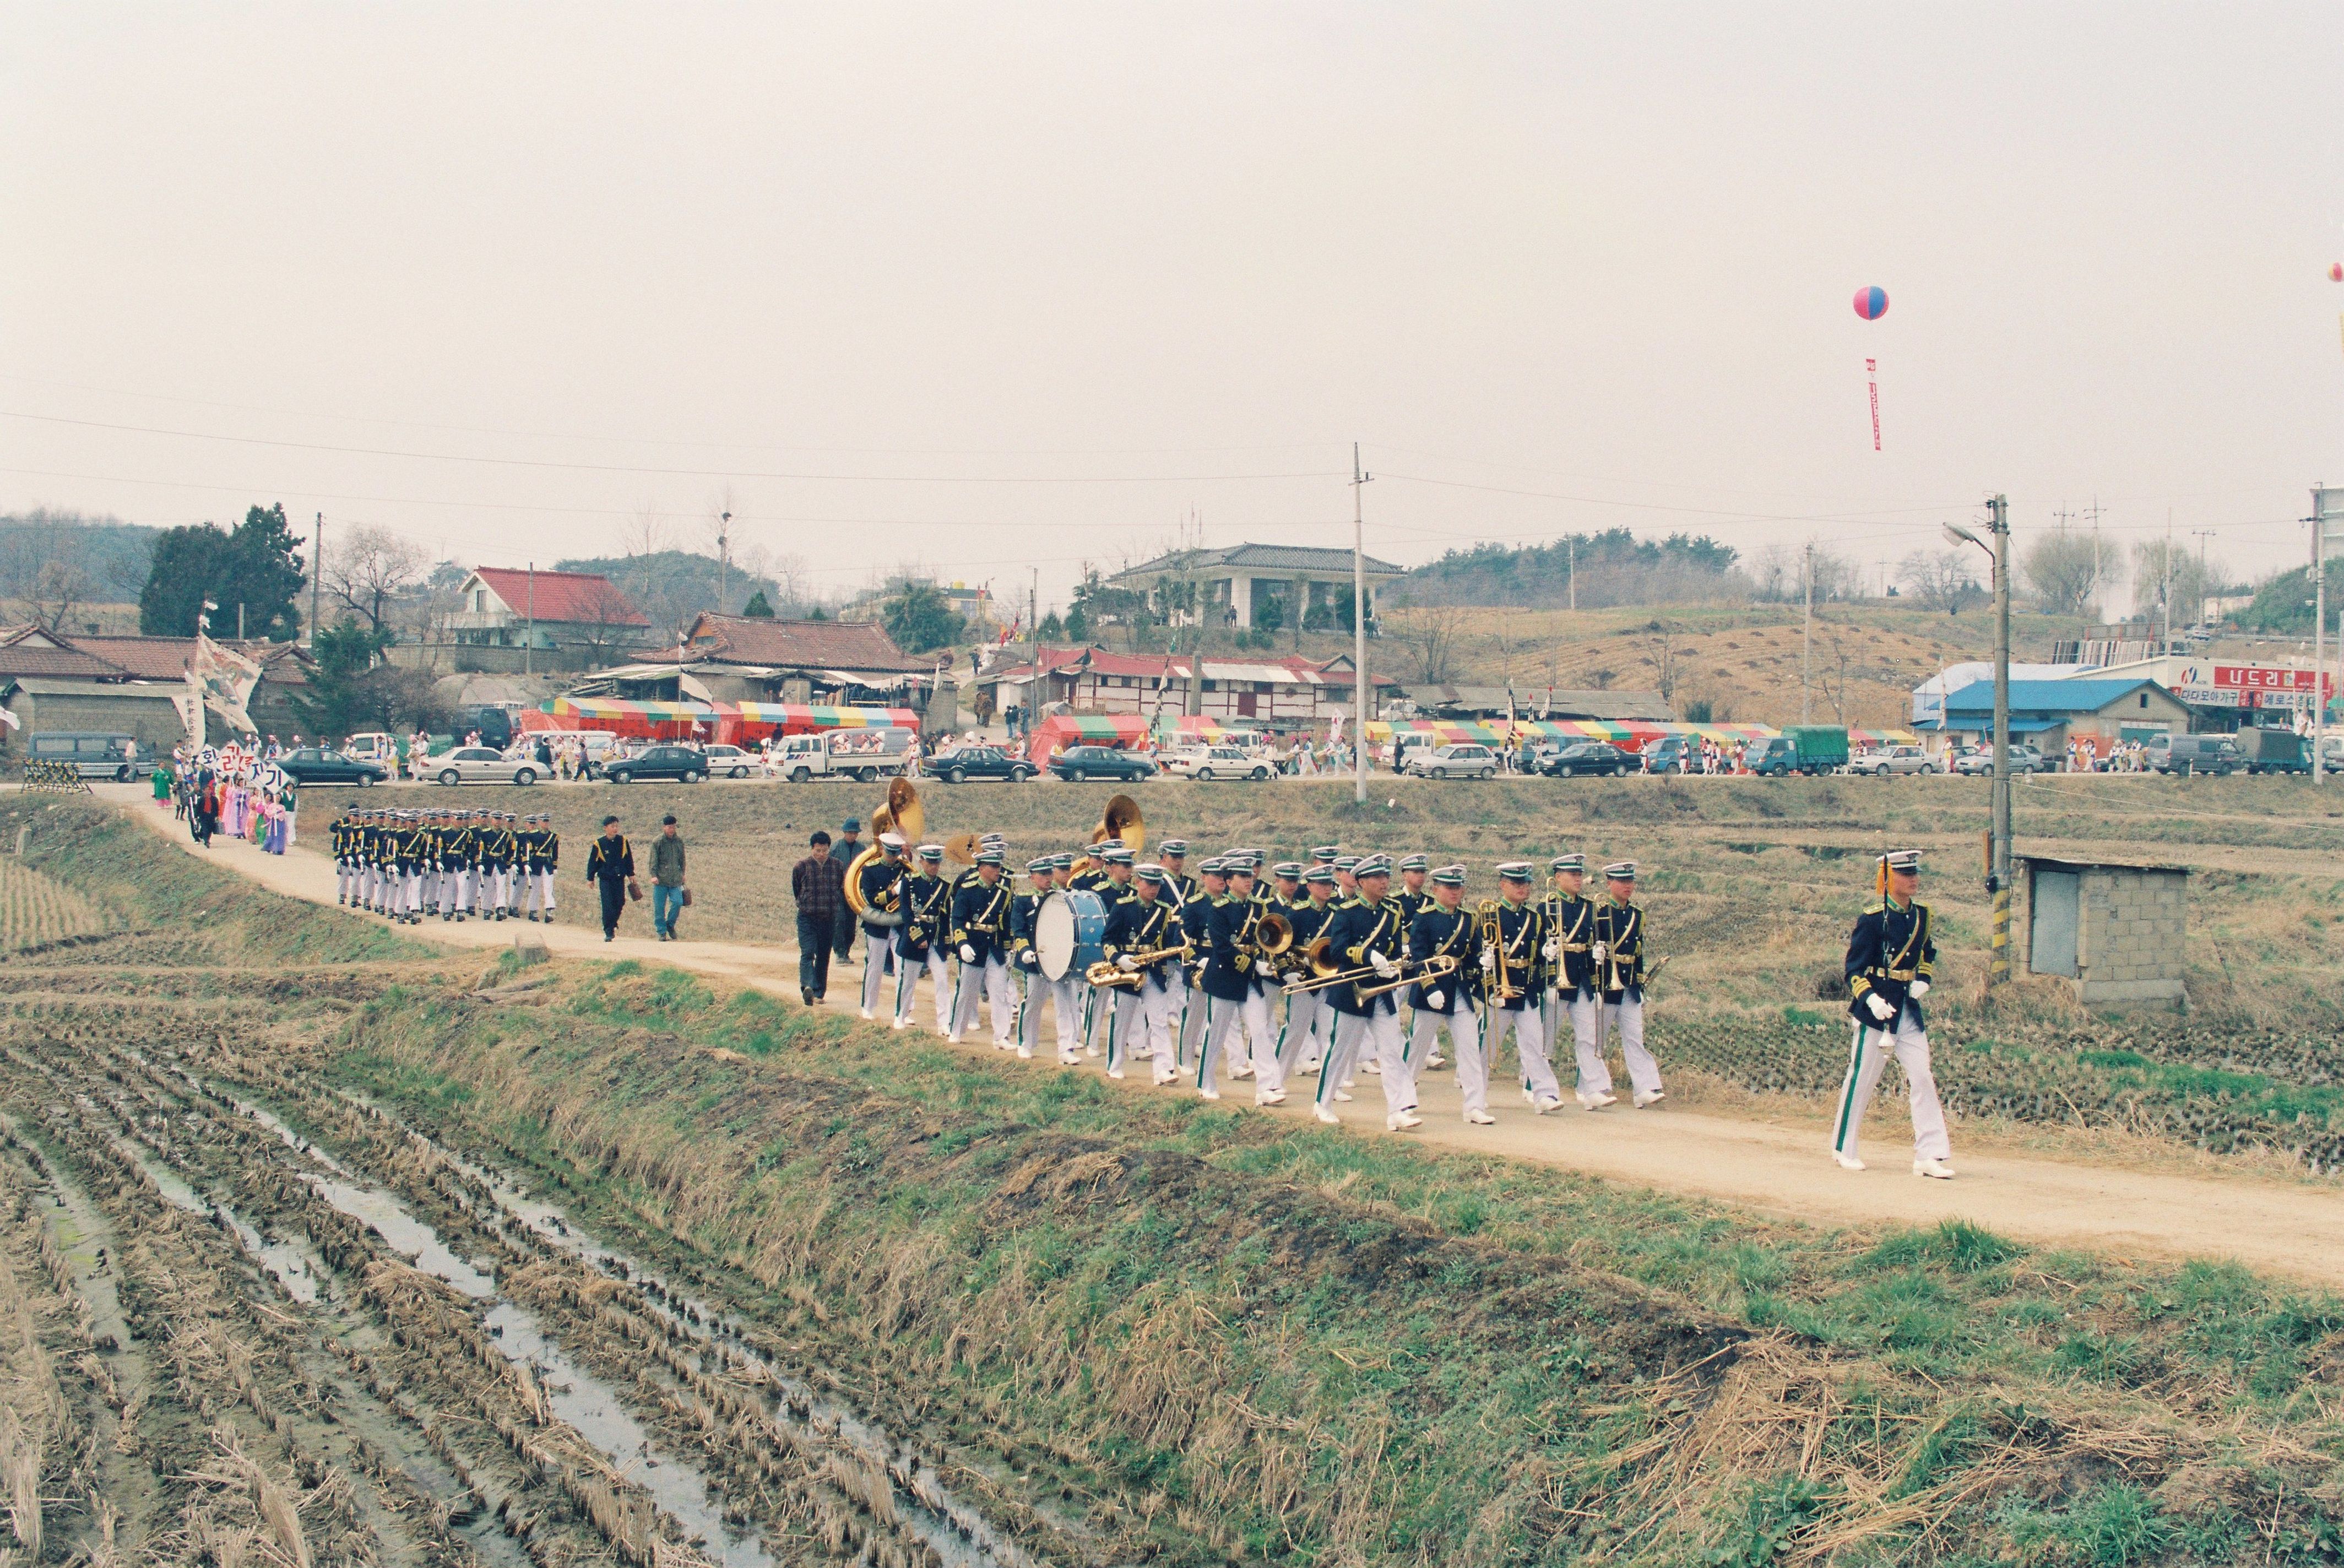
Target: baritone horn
<point>899,813</point>
<point>1273,934</point>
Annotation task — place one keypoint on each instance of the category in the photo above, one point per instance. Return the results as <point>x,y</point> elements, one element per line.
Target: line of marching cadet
<point>1192,966</point>
<point>452,863</point>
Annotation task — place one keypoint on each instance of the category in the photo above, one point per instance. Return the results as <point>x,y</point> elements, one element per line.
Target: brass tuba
<point>1273,934</point>
<point>900,812</point>
<point>1120,820</point>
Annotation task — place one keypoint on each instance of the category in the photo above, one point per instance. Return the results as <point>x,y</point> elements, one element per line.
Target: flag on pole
<point>225,678</point>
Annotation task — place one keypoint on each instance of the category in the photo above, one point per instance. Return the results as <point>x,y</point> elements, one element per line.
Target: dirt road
<point>2295,1230</point>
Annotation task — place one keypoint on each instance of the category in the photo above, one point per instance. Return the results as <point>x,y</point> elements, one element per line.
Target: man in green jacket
<point>667,880</point>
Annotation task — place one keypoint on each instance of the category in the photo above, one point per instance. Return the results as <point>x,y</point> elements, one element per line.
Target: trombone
<point>1323,977</point>
<point>1435,968</point>
<point>1494,937</point>
<point>1106,972</point>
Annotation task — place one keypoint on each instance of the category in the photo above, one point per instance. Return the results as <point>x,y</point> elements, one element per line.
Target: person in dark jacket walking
<point>611,866</point>
<point>849,845</point>
<point>819,883</point>
<point>667,880</point>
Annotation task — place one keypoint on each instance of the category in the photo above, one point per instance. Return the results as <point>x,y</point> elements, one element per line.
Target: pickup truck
<point>861,754</point>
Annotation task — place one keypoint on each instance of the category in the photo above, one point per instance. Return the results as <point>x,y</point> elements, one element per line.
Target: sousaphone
<point>900,812</point>
<point>1121,820</point>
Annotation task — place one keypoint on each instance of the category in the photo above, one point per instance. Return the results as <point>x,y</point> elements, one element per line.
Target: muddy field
<point>320,1248</point>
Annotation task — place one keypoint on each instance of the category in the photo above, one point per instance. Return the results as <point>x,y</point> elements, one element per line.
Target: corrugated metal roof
<point>2072,696</point>
<point>856,646</point>
<point>1261,558</point>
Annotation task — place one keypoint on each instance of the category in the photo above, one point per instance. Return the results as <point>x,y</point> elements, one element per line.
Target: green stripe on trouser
<point>1847,1101</point>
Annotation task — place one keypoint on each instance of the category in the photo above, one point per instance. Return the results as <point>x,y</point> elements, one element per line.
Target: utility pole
<point>1360,478</point>
<point>1807,632</point>
<point>1034,613</point>
<point>239,620</point>
<point>529,639</point>
<point>723,558</point>
<point>1570,555</point>
<point>1998,870</point>
<point>317,570</point>
<point>2326,513</point>
<point>2167,592</point>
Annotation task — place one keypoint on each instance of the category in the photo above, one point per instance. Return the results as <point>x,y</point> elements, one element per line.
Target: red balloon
<point>2336,272</point>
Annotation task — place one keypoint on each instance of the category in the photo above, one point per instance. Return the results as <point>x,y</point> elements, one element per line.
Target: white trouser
<point>1228,1025</point>
<point>1594,1075</point>
<point>979,981</point>
<point>341,881</point>
<point>1192,1023</point>
<point>1098,1015</point>
<point>1377,1035</point>
<point>1140,1016</point>
<point>879,959</point>
<point>1041,988</point>
<point>1529,1030</point>
<point>1307,1013</point>
<point>415,893</point>
<point>1176,1017</point>
<point>908,971</point>
<point>1261,1033</point>
<point>541,890</point>
<point>1625,1019</point>
<point>1866,1056</point>
<point>1465,1038</point>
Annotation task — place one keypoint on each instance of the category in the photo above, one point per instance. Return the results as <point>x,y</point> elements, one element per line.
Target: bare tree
<point>605,624</point>
<point>1774,573</point>
<point>369,568</point>
<point>645,532</point>
<point>1941,580</point>
<point>2064,569</point>
<point>1836,576</point>
<point>1658,642</point>
<point>2192,580</point>
<point>1431,634</point>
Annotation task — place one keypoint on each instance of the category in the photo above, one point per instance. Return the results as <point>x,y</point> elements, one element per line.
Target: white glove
<point>1384,966</point>
<point>1031,959</point>
<point>1880,1010</point>
<point>1601,952</point>
<point>1264,968</point>
<point>967,953</point>
<point>1489,961</point>
<point>1917,989</point>
<point>1436,1000</point>
<point>1127,963</point>
<point>1553,950</point>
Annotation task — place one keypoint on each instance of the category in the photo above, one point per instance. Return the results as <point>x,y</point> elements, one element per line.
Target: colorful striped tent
<point>730,723</point>
<point>1185,729</point>
<point>1117,729</point>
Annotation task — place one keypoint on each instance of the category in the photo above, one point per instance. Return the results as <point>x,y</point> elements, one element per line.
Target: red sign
<point>2265,678</point>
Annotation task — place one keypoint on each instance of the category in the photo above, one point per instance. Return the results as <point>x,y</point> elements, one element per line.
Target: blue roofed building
<point>2048,714</point>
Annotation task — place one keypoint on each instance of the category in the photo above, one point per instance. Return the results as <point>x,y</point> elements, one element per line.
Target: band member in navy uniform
<point>1112,883</point>
<point>1139,927</point>
<point>1891,955</point>
<point>880,885</point>
<point>1513,979</point>
<point>981,935</point>
<point>1572,970</point>
<point>1025,963</point>
<point>1230,981</point>
<point>1445,928</point>
<point>927,914</point>
<point>1309,1014</point>
<point>1619,971</point>
<point>1366,935</point>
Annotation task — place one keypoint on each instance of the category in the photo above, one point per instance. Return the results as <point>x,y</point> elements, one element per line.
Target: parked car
<point>484,764</point>
<point>1215,763</point>
<point>1886,762</point>
<point>1077,764</point>
<point>2331,755</point>
<point>1668,754</point>
<point>659,762</point>
<point>1598,757</point>
<point>2024,759</point>
<point>1463,761</point>
<point>94,755</point>
<point>862,755</point>
<point>2170,753</point>
<point>2274,751</point>
<point>732,761</point>
<point>981,763</point>
<point>322,765</point>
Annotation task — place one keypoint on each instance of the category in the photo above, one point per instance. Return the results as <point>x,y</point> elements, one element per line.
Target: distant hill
<point>51,559</point>
<point>674,585</point>
<point>1614,567</point>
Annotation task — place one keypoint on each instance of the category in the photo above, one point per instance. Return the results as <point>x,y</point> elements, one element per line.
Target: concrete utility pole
<point>2327,516</point>
<point>723,558</point>
<point>1997,875</point>
<point>1807,632</point>
<point>1360,478</point>
<point>1570,555</point>
<point>529,639</point>
<point>317,570</point>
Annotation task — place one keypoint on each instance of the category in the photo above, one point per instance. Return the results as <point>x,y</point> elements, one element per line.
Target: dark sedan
<point>315,764</point>
<point>1077,764</point>
<point>658,762</point>
<point>981,763</point>
<point>1598,757</point>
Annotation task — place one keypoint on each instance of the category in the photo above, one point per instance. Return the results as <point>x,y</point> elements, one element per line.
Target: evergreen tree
<point>258,567</point>
<point>757,609</point>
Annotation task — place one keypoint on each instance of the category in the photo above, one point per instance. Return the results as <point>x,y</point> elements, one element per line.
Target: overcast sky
<point>1004,288</point>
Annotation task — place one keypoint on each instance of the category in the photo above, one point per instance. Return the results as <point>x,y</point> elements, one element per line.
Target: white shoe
<point>1529,1096</point>
<point>1435,1060</point>
<point>1480,1118</point>
<point>1024,1053</point>
<point>951,1039</point>
<point>1649,1098</point>
<point>866,1015</point>
<point>1209,1094</point>
<point>1328,1117</point>
<point>1164,1077</point>
<point>1343,1095</point>
<point>1545,1104</point>
<point>1374,1067</point>
<point>1090,1050</point>
<point>1269,1096</point>
<point>1847,1162</point>
<point>1346,1084</point>
<point>1402,1120</point>
<point>1070,1058</point>
<point>1115,1072</point>
<point>1242,1070</point>
<point>1935,1168</point>
<point>1597,1101</point>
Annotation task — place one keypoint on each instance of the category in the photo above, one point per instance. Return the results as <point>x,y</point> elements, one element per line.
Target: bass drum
<point>1070,933</point>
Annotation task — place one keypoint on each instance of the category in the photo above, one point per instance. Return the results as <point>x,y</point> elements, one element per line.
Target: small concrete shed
<point>2118,931</point>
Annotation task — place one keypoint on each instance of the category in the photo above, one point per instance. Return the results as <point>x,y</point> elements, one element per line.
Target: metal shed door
<point>2051,925</point>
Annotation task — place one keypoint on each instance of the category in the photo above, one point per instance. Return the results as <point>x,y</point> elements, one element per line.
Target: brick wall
<point>2130,936</point>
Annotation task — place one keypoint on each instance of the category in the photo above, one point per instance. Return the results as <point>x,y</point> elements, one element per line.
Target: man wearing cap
<point>879,884</point>
<point>544,860</point>
<point>1231,978</point>
<point>981,935</point>
<point>1026,960</point>
<point>1572,970</point>
<point>1114,890</point>
<point>1446,929</point>
<point>1365,934</point>
<point>848,845</point>
<point>1137,927</point>
<point>496,867</point>
<point>611,866</point>
<point>1179,889</point>
<point>1514,976</point>
<point>1891,955</point>
<point>1619,954</point>
<point>1413,901</point>
<point>927,910</point>
<point>1260,1055</point>
<point>1309,1014</point>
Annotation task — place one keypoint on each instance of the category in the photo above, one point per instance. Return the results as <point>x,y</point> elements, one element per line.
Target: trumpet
<point>1106,973</point>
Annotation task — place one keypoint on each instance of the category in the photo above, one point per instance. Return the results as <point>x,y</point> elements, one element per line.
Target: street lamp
<point>1997,875</point>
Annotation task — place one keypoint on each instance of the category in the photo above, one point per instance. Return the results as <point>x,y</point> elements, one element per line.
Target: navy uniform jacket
<point>927,904</point>
<point>610,859</point>
<point>980,918</point>
<point>1359,929</point>
<point>1620,927</point>
<point>1411,904</point>
<point>1521,943</point>
<point>1229,963</point>
<point>1573,923</point>
<point>1888,950</point>
<point>1451,933</point>
<point>497,846</point>
<point>1024,909</point>
<point>525,846</point>
<point>1197,930</point>
<point>1138,925</point>
<point>878,879</point>
<point>549,849</point>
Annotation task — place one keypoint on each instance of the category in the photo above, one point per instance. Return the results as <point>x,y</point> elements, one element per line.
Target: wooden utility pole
<point>1807,632</point>
<point>1570,555</point>
<point>1360,478</point>
<point>317,570</point>
<point>528,638</point>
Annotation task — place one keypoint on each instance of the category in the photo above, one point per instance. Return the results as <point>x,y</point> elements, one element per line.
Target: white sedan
<point>1216,762</point>
<point>483,765</point>
<point>732,761</point>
